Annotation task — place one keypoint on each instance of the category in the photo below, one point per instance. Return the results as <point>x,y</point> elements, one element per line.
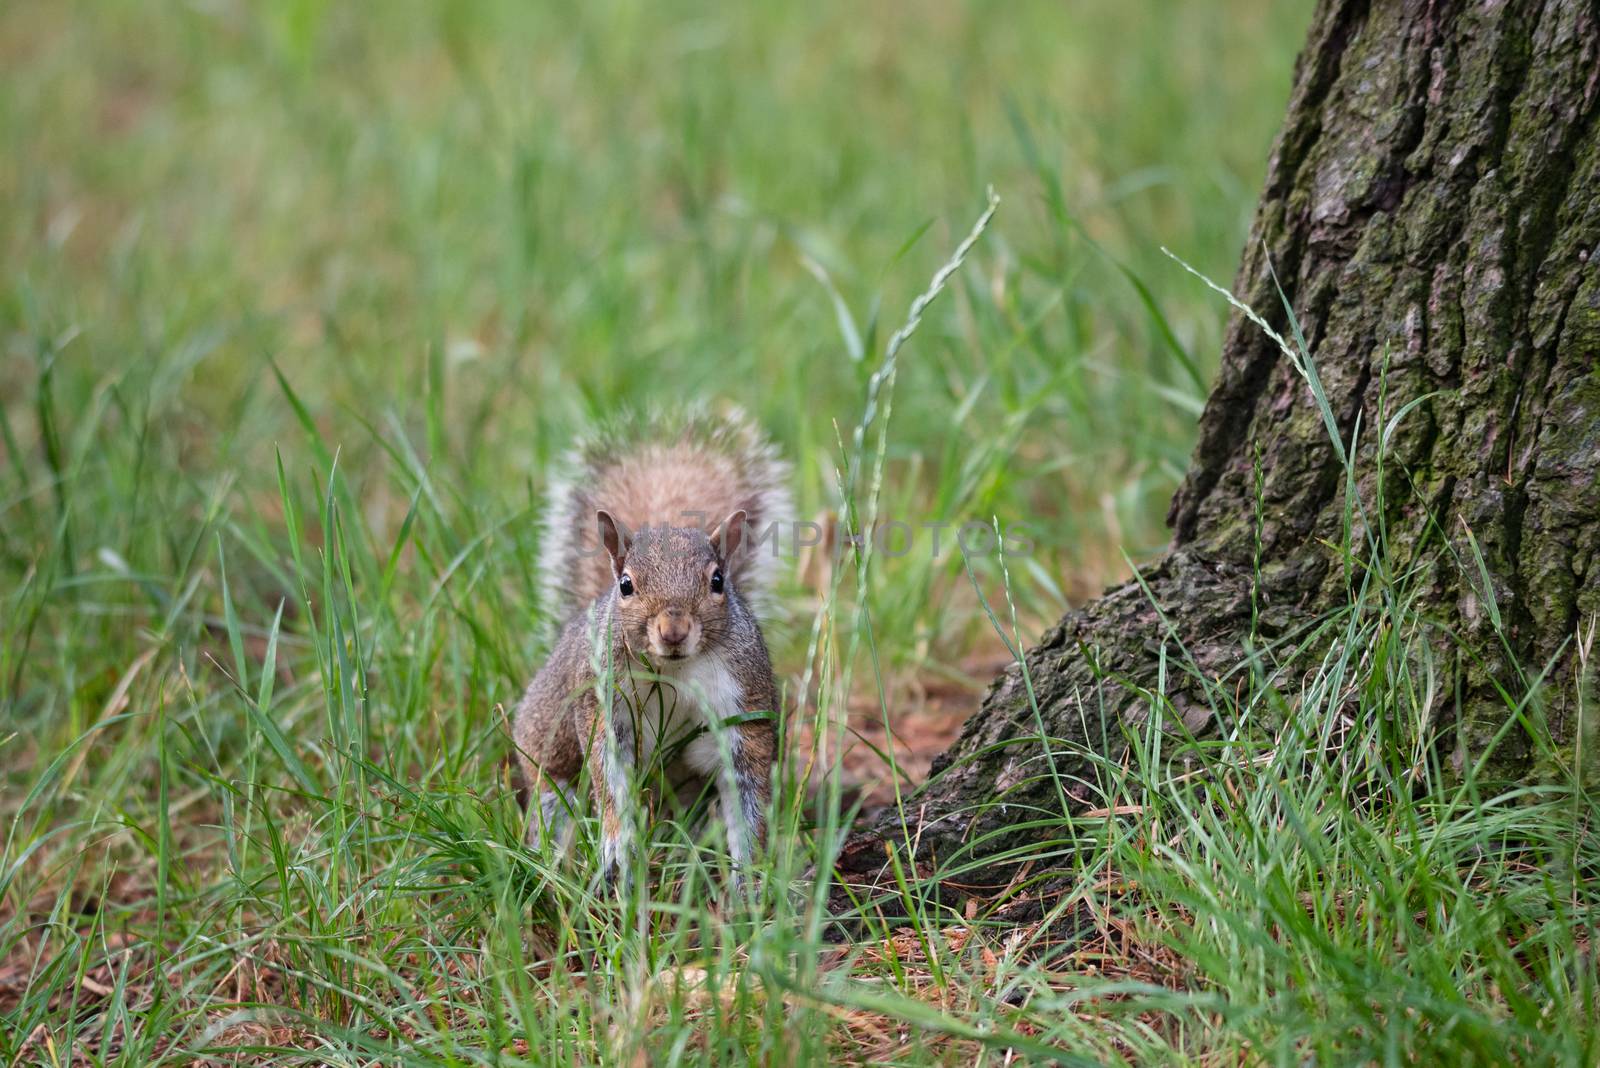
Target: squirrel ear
<point>614,537</point>
<point>729,534</point>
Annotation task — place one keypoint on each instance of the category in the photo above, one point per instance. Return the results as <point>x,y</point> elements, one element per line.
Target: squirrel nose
<point>672,626</point>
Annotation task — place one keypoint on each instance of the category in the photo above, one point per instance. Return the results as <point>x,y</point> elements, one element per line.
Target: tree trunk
<point>1432,212</point>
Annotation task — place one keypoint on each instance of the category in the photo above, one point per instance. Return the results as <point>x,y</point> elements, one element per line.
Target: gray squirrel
<point>654,555</point>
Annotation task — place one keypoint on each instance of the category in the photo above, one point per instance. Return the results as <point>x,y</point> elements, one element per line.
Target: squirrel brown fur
<point>657,543</point>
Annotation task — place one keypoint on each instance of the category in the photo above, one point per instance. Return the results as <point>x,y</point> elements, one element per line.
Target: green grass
<point>298,302</point>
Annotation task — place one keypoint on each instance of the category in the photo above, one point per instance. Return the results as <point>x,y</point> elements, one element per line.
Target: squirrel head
<point>672,584</point>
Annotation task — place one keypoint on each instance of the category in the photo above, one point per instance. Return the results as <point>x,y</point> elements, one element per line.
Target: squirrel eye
<point>716,581</point>
<point>625,585</point>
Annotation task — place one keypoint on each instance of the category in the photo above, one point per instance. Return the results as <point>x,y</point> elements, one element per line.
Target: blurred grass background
<point>476,225</point>
<point>306,295</point>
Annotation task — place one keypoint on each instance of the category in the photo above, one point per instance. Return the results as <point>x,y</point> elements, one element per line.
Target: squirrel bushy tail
<point>679,468</point>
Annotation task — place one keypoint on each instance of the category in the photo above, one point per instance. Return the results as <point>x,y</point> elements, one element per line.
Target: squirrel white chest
<point>686,709</point>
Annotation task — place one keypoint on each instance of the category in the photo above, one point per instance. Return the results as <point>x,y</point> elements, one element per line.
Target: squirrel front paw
<point>614,875</point>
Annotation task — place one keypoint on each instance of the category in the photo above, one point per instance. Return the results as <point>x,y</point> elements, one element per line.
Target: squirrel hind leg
<point>550,822</point>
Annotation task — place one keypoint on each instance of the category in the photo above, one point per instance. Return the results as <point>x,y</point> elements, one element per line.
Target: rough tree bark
<point>1432,211</point>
